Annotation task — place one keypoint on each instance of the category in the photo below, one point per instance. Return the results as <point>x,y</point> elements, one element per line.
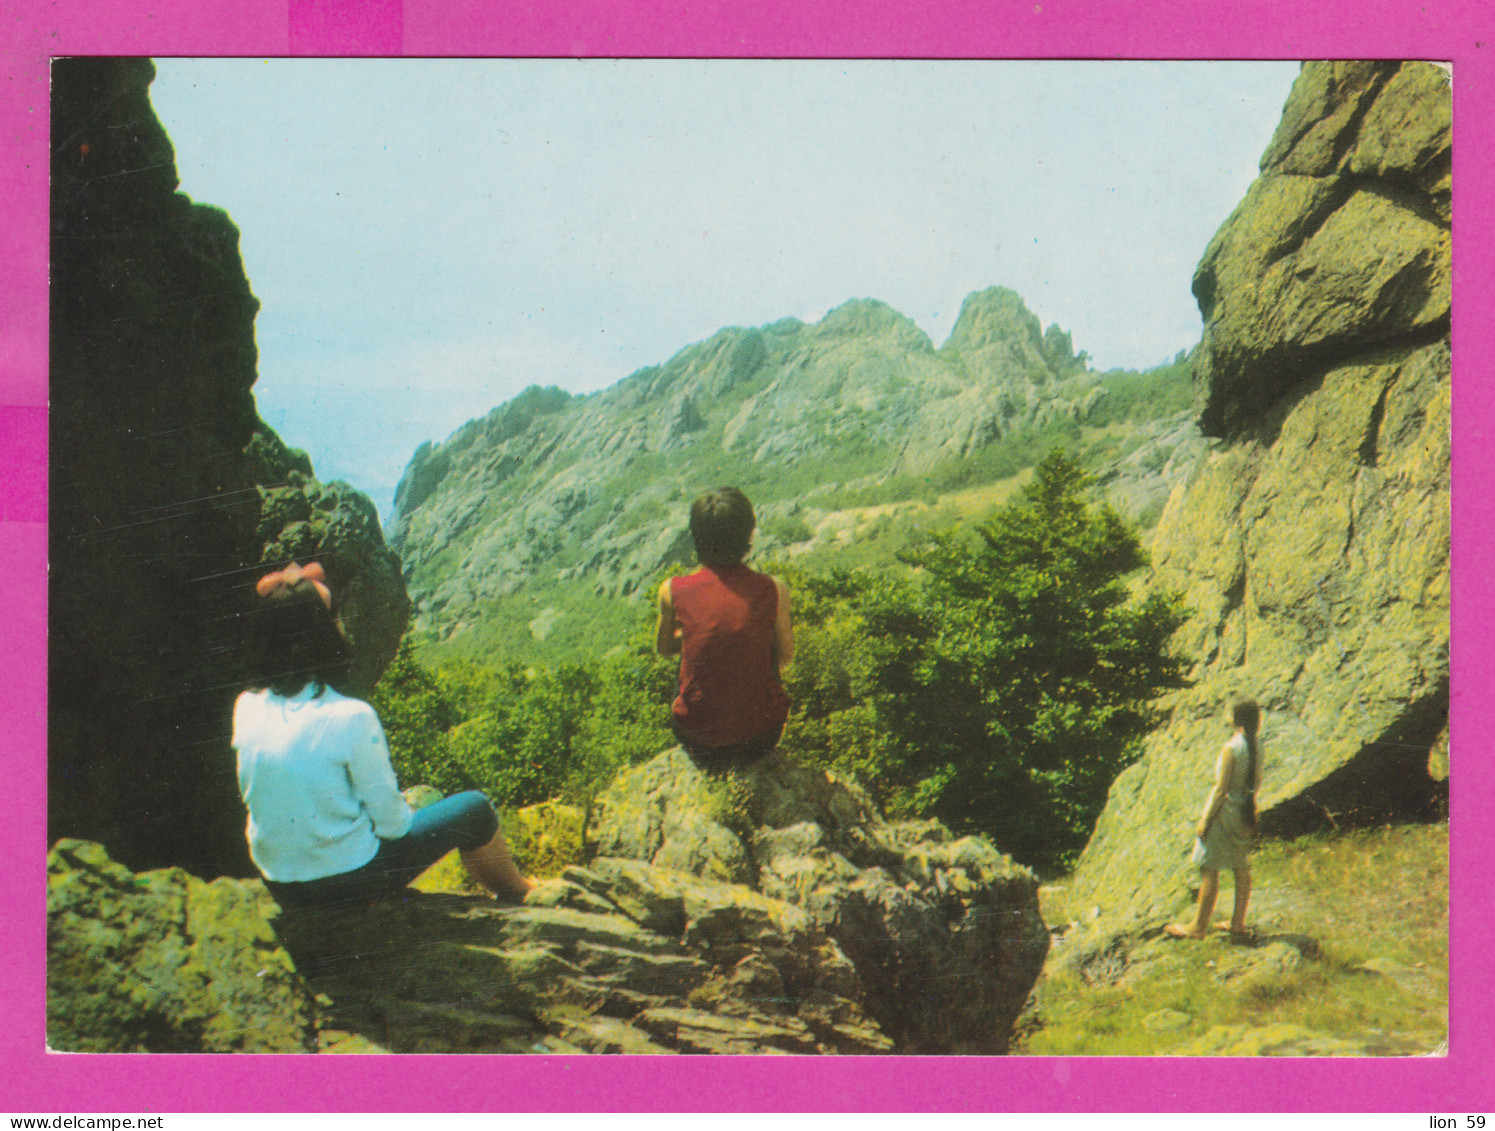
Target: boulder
<point>164,962</point>
<point>621,957</point>
<point>944,933</point>
<point>304,520</point>
<point>1313,544</point>
<point>587,495</point>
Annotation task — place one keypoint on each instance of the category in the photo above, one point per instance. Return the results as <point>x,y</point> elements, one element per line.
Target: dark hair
<point>722,523</point>
<point>295,640</point>
<point>1247,715</point>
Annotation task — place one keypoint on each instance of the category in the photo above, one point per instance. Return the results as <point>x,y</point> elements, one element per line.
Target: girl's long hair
<point>296,640</point>
<point>1247,715</point>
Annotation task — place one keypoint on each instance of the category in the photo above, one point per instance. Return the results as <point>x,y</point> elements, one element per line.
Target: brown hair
<point>722,523</point>
<point>1247,715</point>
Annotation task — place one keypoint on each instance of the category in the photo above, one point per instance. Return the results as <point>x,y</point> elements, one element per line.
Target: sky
<point>429,237</point>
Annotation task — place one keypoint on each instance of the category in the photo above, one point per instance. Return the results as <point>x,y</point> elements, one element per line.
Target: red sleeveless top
<point>729,682</point>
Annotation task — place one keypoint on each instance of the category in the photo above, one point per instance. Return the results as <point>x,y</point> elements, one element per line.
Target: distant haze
<point>429,237</point>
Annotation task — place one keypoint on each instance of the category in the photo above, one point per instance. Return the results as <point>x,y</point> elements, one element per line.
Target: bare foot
<point>1177,931</point>
<point>518,895</point>
<point>1234,931</point>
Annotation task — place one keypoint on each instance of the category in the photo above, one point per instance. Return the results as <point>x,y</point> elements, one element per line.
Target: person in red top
<point>730,627</point>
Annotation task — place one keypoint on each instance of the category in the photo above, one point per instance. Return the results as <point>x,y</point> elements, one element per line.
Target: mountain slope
<point>568,503</point>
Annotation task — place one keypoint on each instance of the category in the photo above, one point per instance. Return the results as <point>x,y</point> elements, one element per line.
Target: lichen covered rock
<point>944,933</point>
<point>1341,246</point>
<point>164,962</point>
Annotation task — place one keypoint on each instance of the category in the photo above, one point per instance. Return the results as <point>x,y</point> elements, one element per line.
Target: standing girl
<point>327,824</point>
<point>1227,824</point>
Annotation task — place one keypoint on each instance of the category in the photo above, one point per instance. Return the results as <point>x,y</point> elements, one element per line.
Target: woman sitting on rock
<point>327,824</point>
<point>730,626</point>
<point>1226,827</point>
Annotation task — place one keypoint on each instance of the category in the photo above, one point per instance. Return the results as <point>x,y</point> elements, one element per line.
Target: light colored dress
<point>1227,844</point>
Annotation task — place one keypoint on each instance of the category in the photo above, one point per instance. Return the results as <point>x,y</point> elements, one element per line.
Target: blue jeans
<point>464,821</point>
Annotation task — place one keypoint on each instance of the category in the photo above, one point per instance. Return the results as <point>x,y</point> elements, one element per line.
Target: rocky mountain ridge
<point>591,491</point>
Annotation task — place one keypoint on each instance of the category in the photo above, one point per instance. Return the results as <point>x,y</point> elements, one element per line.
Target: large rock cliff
<point>1313,544</point>
<point>168,494</point>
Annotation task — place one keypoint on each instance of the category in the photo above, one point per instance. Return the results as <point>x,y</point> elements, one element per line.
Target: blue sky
<point>428,237</point>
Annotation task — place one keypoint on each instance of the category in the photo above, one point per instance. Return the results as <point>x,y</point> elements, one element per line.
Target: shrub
<point>1004,692</point>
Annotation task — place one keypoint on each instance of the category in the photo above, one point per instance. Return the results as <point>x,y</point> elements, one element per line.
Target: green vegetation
<point>1351,956</point>
<point>1003,688</point>
<point>523,735</point>
<point>997,680</point>
<point>571,609</point>
<point>1131,396</point>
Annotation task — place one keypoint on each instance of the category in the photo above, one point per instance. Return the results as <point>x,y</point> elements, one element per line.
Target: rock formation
<point>1313,544</point>
<point>165,962</point>
<point>767,912</point>
<point>944,933</point>
<point>167,492</point>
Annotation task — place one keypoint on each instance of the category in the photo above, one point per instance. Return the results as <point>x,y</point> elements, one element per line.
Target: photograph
<point>878,578</point>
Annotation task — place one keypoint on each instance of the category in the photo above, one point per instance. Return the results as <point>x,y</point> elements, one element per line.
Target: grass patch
<point>1351,957</point>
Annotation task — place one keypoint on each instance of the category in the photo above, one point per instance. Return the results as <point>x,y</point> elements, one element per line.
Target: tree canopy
<point>1002,688</point>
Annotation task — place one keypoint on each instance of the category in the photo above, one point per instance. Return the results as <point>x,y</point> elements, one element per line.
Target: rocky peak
<point>997,324</point>
<point>944,932</point>
<point>168,493</point>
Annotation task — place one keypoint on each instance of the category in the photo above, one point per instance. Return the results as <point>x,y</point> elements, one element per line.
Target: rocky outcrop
<point>167,493</point>
<point>165,962</point>
<point>944,933</point>
<point>1313,544</point>
<point>1342,244</point>
<point>767,911</point>
<point>621,957</point>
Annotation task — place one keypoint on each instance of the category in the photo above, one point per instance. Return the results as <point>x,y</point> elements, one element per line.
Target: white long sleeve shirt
<point>314,771</point>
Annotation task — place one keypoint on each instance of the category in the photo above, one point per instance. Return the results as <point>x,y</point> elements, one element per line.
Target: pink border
<point>35,29</point>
